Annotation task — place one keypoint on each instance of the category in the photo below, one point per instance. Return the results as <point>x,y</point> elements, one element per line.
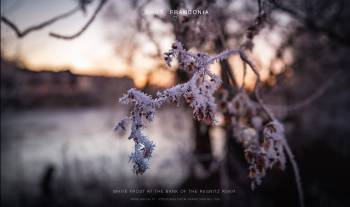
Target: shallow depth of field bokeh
<point>59,101</point>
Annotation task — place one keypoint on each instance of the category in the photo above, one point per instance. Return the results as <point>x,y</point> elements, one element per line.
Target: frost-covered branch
<point>254,126</point>
<point>262,137</point>
<point>198,92</point>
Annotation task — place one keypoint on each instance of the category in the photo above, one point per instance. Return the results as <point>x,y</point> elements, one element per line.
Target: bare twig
<point>69,37</point>
<point>301,104</point>
<point>311,24</point>
<point>296,173</point>
<point>260,7</point>
<point>42,25</point>
<point>147,26</point>
<point>244,75</point>
<point>246,60</point>
<point>272,118</point>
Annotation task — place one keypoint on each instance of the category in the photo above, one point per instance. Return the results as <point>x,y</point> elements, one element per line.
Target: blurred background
<point>59,99</point>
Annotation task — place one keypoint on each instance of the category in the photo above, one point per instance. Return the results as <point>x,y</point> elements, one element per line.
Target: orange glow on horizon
<point>95,54</point>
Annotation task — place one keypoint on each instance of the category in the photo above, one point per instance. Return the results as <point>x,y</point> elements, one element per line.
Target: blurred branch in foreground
<point>40,26</point>
<point>68,37</point>
<point>308,15</point>
<point>81,6</point>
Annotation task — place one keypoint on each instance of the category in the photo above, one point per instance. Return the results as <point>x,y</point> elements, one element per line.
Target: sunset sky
<point>91,50</point>
<point>98,51</point>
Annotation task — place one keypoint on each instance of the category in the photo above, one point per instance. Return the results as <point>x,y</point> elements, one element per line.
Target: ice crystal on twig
<point>255,126</point>
<point>198,93</point>
<point>261,137</point>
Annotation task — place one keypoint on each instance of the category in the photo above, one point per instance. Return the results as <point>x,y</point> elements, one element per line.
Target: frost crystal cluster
<point>198,92</point>
<point>261,137</point>
<point>254,126</point>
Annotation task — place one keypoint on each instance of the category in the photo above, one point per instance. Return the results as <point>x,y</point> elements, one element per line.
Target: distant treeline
<point>22,88</point>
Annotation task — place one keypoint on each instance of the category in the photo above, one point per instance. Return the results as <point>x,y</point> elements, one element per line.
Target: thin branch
<point>301,104</point>
<point>244,75</point>
<point>147,27</point>
<point>69,37</point>
<point>312,25</point>
<point>42,25</point>
<point>296,173</point>
<point>222,57</point>
<point>246,60</point>
<point>231,76</point>
<point>260,9</point>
